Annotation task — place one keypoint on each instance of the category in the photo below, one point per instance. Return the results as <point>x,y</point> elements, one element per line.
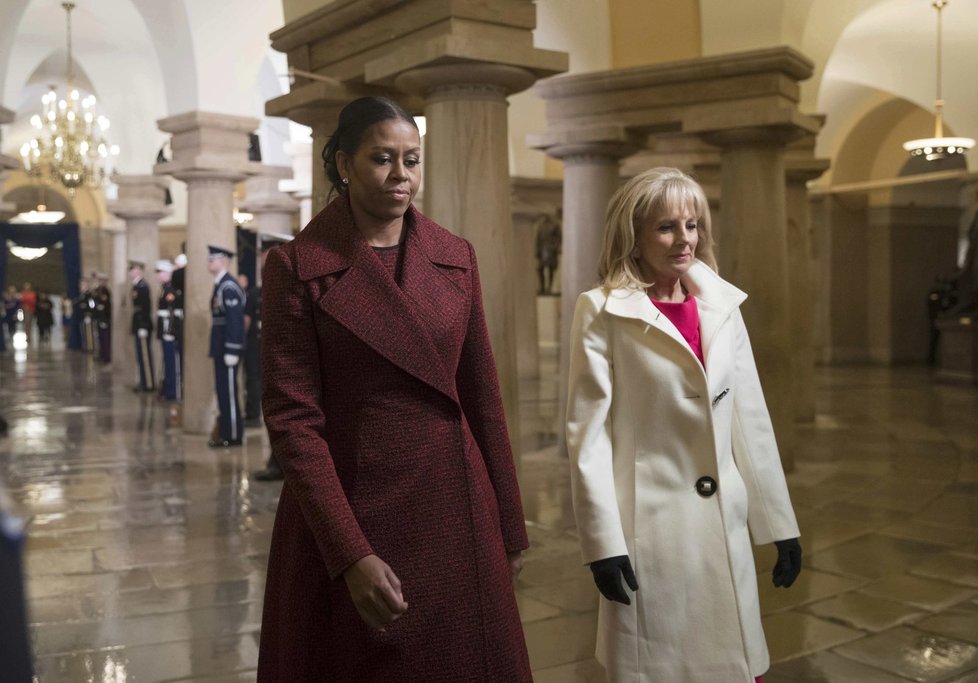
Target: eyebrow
<point>392,150</point>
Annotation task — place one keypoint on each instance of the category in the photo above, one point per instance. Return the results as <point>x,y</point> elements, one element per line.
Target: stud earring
<point>346,181</point>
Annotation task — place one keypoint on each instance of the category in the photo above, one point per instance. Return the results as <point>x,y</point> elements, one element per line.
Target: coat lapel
<point>716,300</point>
<point>365,299</point>
<point>636,304</point>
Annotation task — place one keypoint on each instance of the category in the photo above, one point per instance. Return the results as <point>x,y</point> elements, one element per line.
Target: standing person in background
<point>85,307</point>
<point>44,314</point>
<point>227,345</point>
<point>178,280</point>
<point>11,304</point>
<point>28,302</point>
<point>165,321</point>
<point>671,448</point>
<point>102,317</point>
<point>142,326</point>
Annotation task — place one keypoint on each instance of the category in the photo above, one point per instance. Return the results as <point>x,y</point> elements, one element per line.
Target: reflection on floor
<point>147,552</point>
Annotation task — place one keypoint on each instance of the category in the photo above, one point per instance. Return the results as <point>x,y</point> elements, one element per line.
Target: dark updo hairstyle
<point>355,119</point>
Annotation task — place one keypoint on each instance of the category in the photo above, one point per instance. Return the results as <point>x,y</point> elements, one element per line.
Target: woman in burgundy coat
<point>399,532</point>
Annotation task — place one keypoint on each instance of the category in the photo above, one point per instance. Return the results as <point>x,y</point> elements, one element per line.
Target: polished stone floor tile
<point>873,556</point>
<point>951,566</point>
<point>811,585</point>
<point>952,624</point>
<point>865,611</point>
<point>793,634</point>
<point>827,667</point>
<point>585,671</point>
<point>918,591</point>
<point>920,656</point>
<point>562,640</point>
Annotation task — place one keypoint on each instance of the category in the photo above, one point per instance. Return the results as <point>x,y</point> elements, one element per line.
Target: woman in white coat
<point>671,448</point>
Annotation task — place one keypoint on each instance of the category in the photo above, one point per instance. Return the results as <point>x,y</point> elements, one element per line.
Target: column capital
<point>140,196</point>
<point>262,194</point>
<point>208,145</point>
<point>803,170</point>
<point>468,81</point>
<point>592,144</point>
<point>744,127</point>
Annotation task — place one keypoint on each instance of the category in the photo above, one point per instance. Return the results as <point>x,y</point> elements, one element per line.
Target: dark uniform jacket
<point>142,308</point>
<point>178,281</point>
<point>103,306</point>
<point>252,309</point>
<point>227,318</point>
<point>166,308</point>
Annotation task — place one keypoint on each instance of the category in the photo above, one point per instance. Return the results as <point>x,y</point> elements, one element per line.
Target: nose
<point>398,169</point>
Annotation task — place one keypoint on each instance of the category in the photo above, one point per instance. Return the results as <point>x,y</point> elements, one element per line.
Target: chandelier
<point>69,144</point>
<point>938,147</point>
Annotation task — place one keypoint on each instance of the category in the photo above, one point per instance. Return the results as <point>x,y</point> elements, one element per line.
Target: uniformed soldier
<point>102,317</point>
<point>142,326</point>
<point>166,323</point>
<point>227,345</point>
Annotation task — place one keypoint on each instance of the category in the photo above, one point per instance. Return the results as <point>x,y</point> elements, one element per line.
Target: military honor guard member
<point>227,345</point>
<point>142,326</point>
<point>102,317</point>
<point>166,323</point>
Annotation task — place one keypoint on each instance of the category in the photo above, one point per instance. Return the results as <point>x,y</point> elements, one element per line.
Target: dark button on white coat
<point>706,486</point>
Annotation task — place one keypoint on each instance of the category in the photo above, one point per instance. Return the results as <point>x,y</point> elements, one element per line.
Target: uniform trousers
<point>172,369</point>
<point>226,383</point>
<point>104,343</point>
<point>144,363</point>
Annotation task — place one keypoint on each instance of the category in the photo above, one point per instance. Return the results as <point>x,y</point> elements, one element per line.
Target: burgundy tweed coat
<point>383,408</point>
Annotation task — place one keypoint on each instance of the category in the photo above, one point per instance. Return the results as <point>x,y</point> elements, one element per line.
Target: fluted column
<point>801,281</point>
<point>753,255</point>
<point>123,356</point>
<point>210,154</point>
<point>467,187</point>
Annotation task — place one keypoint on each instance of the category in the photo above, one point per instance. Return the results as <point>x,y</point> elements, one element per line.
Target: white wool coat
<point>645,422</point>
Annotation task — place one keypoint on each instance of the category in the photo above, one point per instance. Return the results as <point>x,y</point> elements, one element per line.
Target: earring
<point>346,181</point>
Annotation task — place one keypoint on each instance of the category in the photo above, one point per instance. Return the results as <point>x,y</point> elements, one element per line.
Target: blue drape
<point>37,236</point>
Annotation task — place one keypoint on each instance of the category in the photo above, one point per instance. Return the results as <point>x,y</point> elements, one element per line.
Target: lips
<point>399,194</point>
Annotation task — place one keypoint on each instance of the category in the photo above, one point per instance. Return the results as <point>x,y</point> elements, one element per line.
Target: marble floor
<point>147,551</point>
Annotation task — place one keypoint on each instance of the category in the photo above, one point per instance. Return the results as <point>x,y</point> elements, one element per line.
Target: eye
<point>411,162</point>
<point>381,160</point>
<point>691,226</point>
<point>665,227</point>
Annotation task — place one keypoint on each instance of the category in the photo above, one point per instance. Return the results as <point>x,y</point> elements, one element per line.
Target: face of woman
<point>385,171</point>
<point>666,244</point>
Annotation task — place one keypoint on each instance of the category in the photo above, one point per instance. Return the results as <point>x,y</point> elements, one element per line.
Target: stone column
<point>753,255</point>
<point>801,283</point>
<point>141,203</point>
<point>273,209</point>
<point>123,356</point>
<point>300,185</point>
<point>467,188</point>
<point>210,154</point>
<point>591,176</point>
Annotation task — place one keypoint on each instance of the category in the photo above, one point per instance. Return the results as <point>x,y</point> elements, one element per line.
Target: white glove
<point>169,337</point>
<point>230,360</point>
<point>143,333</point>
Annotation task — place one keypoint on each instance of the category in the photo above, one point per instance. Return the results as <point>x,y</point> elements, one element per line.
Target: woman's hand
<point>515,565</point>
<point>608,574</point>
<point>376,591</point>
<point>788,566</point>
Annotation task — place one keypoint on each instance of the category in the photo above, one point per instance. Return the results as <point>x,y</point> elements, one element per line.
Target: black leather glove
<point>788,566</point>
<point>607,577</point>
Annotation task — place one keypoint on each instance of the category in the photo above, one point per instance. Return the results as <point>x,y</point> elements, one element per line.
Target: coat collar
<point>367,301</point>
<point>716,299</point>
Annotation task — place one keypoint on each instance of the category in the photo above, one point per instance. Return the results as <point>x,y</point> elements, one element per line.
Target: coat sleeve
<point>482,404</point>
<point>292,403</point>
<point>769,512</point>
<point>588,434</point>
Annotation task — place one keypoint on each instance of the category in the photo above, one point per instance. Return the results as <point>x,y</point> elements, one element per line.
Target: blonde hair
<point>648,194</point>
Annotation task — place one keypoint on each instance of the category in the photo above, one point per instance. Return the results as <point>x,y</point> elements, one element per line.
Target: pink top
<point>686,317</point>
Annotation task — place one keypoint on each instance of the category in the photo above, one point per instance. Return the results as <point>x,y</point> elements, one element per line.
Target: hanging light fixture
<point>938,147</point>
<point>70,145</point>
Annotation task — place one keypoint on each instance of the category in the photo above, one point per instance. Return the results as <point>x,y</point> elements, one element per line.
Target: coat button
<point>706,486</point>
